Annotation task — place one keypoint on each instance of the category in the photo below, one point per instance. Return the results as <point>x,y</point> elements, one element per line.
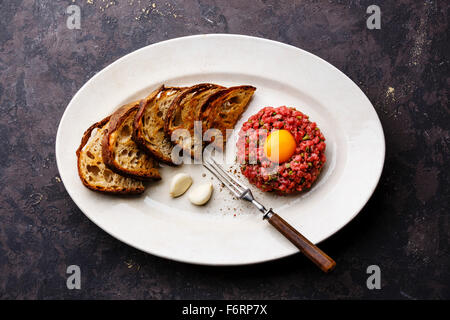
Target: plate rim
<point>225,35</point>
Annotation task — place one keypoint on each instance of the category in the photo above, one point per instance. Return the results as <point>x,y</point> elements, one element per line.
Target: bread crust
<point>206,110</point>
<point>185,110</point>
<point>138,134</point>
<point>116,120</point>
<point>176,107</point>
<point>210,114</point>
<point>84,141</point>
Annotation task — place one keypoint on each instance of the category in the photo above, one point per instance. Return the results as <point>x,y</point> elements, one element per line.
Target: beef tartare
<point>280,150</point>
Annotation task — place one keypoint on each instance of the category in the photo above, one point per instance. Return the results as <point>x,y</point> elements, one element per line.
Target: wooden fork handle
<point>320,258</point>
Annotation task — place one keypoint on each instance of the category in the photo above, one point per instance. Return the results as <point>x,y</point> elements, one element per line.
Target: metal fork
<point>321,259</point>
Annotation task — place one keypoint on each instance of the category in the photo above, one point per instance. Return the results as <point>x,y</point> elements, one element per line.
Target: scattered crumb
<point>130,264</point>
<point>417,50</point>
<point>151,9</point>
<point>390,92</point>
<point>142,9</point>
<point>209,20</point>
<point>109,4</point>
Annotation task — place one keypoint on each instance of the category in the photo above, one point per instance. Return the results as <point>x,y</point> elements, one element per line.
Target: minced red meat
<point>296,174</point>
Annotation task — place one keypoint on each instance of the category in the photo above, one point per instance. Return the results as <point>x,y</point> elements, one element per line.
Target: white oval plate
<point>227,231</point>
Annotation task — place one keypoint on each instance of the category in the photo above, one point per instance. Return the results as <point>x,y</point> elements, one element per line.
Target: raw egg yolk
<point>279,146</point>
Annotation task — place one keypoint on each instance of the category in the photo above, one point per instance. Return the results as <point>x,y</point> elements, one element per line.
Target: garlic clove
<point>200,195</point>
<point>179,184</point>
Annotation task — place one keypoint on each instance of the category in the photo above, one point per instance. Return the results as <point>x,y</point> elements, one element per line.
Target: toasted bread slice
<point>120,153</point>
<point>92,170</point>
<point>223,109</point>
<point>149,123</point>
<point>185,110</point>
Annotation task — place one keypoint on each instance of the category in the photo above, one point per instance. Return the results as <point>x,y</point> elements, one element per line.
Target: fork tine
<point>225,176</point>
<point>230,176</point>
<point>222,179</point>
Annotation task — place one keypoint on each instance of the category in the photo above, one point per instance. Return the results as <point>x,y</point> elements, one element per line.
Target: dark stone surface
<point>403,68</point>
